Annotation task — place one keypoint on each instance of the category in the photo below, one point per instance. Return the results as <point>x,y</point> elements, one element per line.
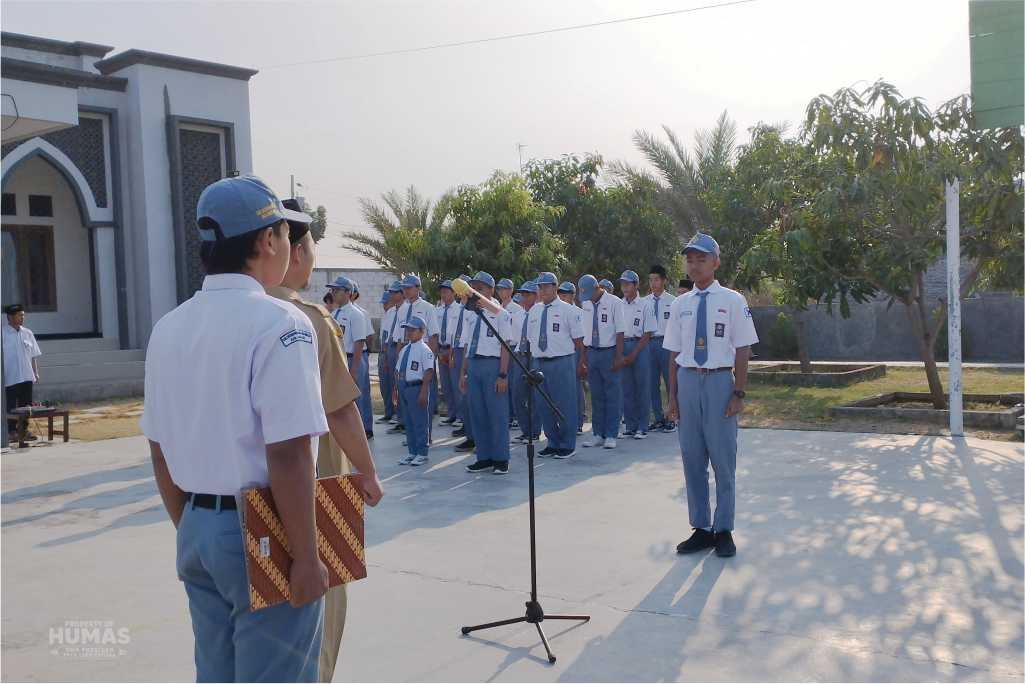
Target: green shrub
<point>781,338</point>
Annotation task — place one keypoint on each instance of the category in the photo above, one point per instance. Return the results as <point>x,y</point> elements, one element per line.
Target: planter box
<point>876,408</point>
<point>823,375</point>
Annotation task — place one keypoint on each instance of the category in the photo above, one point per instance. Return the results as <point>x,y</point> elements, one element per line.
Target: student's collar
<point>711,288</point>
<point>231,281</point>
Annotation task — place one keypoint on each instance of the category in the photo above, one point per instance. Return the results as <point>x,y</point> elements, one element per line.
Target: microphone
<point>473,297</point>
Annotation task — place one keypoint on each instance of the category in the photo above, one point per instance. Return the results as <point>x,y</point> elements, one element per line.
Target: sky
<point>441,118</point>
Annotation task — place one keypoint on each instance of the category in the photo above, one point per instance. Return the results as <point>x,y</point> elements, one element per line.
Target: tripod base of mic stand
<point>535,616</point>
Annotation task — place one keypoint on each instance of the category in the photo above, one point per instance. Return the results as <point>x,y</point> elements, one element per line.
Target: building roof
<point>58,47</point>
<point>37,72</point>
<point>129,58</point>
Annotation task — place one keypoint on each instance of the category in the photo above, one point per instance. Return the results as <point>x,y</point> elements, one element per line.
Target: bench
<point>22,417</point>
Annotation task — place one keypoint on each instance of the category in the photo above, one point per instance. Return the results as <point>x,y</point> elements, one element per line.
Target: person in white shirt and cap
<point>640,326</point>
<point>709,336</point>
<point>555,336</point>
<point>21,367</point>
<point>412,388</point>
<point>461,340</point>
<point>416,305</point>
<point>485,381</point>
<point>660,301</point>
<point>448,313</point>
<point>390,332</point>
<point>355,331</point>
<point>232,401</point>
<point>518,386</point>
<point>568,294</point>
<point>604,324</point>
<point>504,293</point>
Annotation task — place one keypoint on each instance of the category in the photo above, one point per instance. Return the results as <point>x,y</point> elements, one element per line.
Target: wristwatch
<point>739,394</point>
<point>503,376</point>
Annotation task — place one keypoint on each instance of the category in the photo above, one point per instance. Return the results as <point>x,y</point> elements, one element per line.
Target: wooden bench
<point>23,417</point>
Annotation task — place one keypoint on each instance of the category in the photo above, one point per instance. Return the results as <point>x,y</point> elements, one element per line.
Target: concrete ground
<point>861,557</point>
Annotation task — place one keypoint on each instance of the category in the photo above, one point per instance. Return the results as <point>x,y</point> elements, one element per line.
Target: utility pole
<point>292,177</point>
<point>519,149</point>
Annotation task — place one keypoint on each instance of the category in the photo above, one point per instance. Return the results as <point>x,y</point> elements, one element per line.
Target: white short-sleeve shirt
<point>729,325</point>
<point>20,347</point>
<point>228,372</point>
<point>662,315</point>
<point>640,317</point>
<point>611,320</point>
<point>422,308</point>
<point>563,324</point>
<point>355,326</point>
<point>419,359</point>
<point>390,330</point>
<point>487,343</point>
<point>452,314</point>
<point>518,330</point>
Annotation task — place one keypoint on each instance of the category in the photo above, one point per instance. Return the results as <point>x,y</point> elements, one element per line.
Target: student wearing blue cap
<point>460,342</point>
<point>388,356</point>
<point>710,336</point>
<point>606,286</point>
<point>355,326</point>
<point>412,388</point>
<point>416,305</point>
<point>518,386</point>
<point>485,381</point>
<point>660,301</point>
<point>448,313</point>
<point>568,294</point>
<point>604,326</point>
<point>640,326</point>
<point>239,412</point>
<point>554,332</point>
<point>504,293</point>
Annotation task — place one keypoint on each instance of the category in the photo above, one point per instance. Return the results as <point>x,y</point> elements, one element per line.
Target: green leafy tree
<point>319,226</point>
<point>888,158</point>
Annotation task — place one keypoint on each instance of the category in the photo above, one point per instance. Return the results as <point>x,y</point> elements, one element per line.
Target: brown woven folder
<point>339,539</point>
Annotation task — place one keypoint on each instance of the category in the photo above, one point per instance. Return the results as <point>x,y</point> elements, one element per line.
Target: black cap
<point>13,309</point>
<point>296,230</point>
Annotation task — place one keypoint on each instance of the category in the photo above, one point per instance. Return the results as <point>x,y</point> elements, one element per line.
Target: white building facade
<point>103,159</point>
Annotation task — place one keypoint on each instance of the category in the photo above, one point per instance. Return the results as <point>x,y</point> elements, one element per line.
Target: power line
<point>511,36</point>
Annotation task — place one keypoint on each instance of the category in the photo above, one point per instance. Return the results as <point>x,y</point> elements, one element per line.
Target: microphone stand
<point>535,614</point>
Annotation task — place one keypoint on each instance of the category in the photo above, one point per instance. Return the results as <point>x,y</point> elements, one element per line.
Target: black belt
<point>611,346</point>
<point>552,358</point>
<point>657,337</point>
<point>705,371</point>
<point>211,500</point>
<point>414,383</point>
<point>482,356</point>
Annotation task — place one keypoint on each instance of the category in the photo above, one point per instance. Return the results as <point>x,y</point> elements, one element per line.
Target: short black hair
<point>687,283</point>
<point>13,309</point>
<point>328,298</point>
<point>659,270</point>
<point>231,254</point>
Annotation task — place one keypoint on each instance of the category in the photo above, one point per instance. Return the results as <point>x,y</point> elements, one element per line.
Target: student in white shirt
<point>710,336</point>
<point>636,367</point>
<point>412,389</point>
<point>416,305</point>
<point>568,294</point>
<point>604,324</point>
<point>448,313</point>
<point>21,368</point>
<point>661,301</point>
<point>355,330</point>
<point>390,331</point>
<point>518,386</point>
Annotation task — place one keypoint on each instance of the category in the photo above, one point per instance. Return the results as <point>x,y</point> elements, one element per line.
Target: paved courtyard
<point>861,557</point>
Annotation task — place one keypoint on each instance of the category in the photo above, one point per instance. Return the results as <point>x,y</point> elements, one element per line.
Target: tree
<point>605,229</point>
<point>319,225</point>
<point>399,229</point>
<point>698,192</point>
<point>888,158</point>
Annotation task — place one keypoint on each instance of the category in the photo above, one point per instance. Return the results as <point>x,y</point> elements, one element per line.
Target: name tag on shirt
<point>720,330</point>
<point>666,315</point>
<point>604,318</point>
<point>416,365</point>
<point>637,321</point>
<point>555,327</point>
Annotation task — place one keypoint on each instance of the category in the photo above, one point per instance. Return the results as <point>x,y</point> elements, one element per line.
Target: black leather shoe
<point>459,433</point>
<point>480,466</point>
<point>724,546</point>
<point>547,451</point>
<point>501,468</point>
<point>466,445</point>
<point>699,541</point>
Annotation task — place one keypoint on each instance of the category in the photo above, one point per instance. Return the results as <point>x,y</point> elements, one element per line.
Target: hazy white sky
<point>448,117</point>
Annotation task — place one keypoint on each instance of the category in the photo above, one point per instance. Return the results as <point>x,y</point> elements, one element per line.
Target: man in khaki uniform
<point>346,444</point>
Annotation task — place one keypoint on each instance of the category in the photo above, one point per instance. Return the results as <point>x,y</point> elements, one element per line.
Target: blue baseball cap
<point>546,278</point>
<point>529,286</point>
<point>342,283</point>
<point>702,243</point>
<point>355,285</point>
<point>447,284</point>
<point>466,279</point>
<point>630,277</point>
<point>586,286</point>
<point>606,283</point>
<point>411,281</point>
<point>385,296</point>
<point>415,322</point>
<point>235,206</point>
<point>517,298</point>
<point>396,286</point>
<point>505,283</point>
<point>484,277</point>
<point>568,287</point>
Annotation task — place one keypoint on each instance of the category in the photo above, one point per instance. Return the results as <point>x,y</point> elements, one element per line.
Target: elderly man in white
<point>21,370</point>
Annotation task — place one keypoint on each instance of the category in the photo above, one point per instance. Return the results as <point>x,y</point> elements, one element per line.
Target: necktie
<point>523,333</point>
<point>458,341</point>
<point>409,314</point>
<point>542,339</point>
<point>701,335</point>
<point>394,321</point>
<point>476,337</point>
<point>656,310</point>
<point>444,324</point>
<point>594,328</point>
<point>405,361</point>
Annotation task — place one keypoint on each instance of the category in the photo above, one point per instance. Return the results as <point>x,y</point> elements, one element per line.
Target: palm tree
<point>398,227</point>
